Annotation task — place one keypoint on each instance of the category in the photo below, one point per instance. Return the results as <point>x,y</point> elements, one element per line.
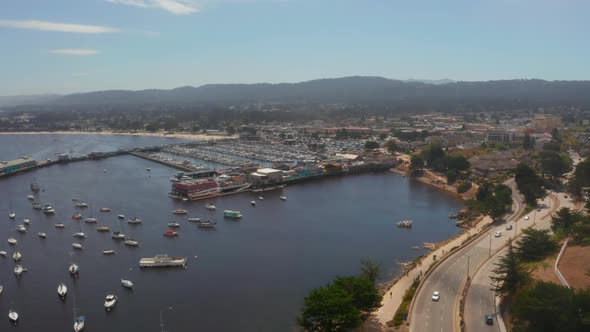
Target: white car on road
<point>498,234</point>
<point>436,296</point>
<point>526,217</point>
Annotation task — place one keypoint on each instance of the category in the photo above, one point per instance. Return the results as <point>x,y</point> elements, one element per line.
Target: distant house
<point>494,163</point>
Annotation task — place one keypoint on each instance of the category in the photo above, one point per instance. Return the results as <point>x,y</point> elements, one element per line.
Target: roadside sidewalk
<point>393,297</point>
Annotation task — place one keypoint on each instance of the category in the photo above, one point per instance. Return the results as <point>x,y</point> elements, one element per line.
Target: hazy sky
<point>64,46</point>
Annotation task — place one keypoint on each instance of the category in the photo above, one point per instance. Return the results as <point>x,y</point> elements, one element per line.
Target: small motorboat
<point>48,209</point>
<point>12,215</point>
<point>37,206</point>
<point>103,228</point>
<point>173,224</point>
<point>110,301</point>
<point>81,205</point>
<point>105,209</point>
<point>1,289</point>
<point>60,225</point>
<point>210,206</point>
<point>21,228</point>
<point>253,203</point>
<point>134,221</point>
<point>121,216</point>
<point>118,236</point>
<point>170,233</point>
<point>30,197</point>
<point>12,241</point>
<point>13,316</point>
<point>42,235</point>
<point>131,243</point>
<point>77,246</point>
<point>261,198</point>
<point>127,283</point>
<point>108,252</point>
<point>194,219</point>
<point>206,224</point>
<point>79,322</point>
<point>79,235</point>
<point>283,198</point>
<point>148,169</point>
<point>180,211</point>
<point>76,216</point>
<point>18,270</point>
<point>17,256</point>
<point>62,290</point>
<point>27,221</point>
<point>90,220</point>
<point>74,269</point>
<point>3,253</point>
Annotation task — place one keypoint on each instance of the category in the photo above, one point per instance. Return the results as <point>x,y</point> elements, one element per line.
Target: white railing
<point>559,275</point>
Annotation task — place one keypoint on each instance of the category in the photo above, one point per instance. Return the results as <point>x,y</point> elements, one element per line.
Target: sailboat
<point>79,321</point>
<point>35,186</point>
<point>13,316</point>
<point>127,283</point>
<point>12,214</point>
<point>62,290</point>
<point>18,271</point>
<point>17,256</point>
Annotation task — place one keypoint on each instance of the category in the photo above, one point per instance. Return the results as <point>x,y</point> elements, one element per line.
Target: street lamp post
<point>490,251</point>
<point>468,259</point>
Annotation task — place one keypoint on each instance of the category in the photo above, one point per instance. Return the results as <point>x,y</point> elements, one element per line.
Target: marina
<point>312,211</point>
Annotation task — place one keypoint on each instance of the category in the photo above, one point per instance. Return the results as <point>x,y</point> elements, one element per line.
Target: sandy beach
<point>107,132</point>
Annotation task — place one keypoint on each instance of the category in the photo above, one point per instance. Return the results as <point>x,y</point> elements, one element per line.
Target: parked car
<point>489,319</point>
<point>508,227</point>
<point>526,217</point>
<point>498,234</point>
<point>435,296</point>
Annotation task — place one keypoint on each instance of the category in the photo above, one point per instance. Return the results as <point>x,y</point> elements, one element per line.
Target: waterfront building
<point>12,166</point>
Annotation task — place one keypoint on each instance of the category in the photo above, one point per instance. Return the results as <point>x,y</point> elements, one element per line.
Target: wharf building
<point>7,167</point>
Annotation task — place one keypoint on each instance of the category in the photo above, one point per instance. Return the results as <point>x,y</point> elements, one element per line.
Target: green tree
<point>365,296</point>
<point>329,309</point>
<point>370,269</point>
<point>371,145</point>
<point>391,146</point>
<point>457,162</point>
<point>529,184</point>
<point>435,157</point>
<point>548,307</point>
<point>509,276</point>
<point>565,218</point>
<point>416,163</point>
<point>552,146</point>
<point>535,245</point>
<point>464,187</point>
<point>581,178</point>
<point>553,163</point>
<point>528,142</point>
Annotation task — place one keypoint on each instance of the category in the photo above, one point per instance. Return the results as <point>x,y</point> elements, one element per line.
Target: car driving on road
<point>498,234</point>
<point>435,296</point>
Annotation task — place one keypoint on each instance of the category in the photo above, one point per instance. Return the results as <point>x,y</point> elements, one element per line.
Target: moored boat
<point>13,316</point>
<point>118,236</point>
<point>62,290</point>
<point>134,221</point>
<point>103,228</point>
<point>60,225</point>
<point>74,269</point>
<point>27,221</point>
<point>210,206</point>
<point>90,220</point>
<point>30,197</point>
<point>180,211</point>
<point>121,216</point>
<point>12,241</point>
<point>18,270</point>
<point>79,323</point>
<point>232,214</point>
<point>127,283</point>
<point>206,224</point>
<point>283,198</point>
<point>42,235</point>
<point>105,209</point>
<point>81,205</point>
<point>173,224</point>
<point>37,206</point>
<point>108,252</point>
<point>76,216</point>
<point>131,243</point>
<point>79,235</point>
<point>17,256</point>
<point>110,301</point>
<point>48,209</point>
<point>170,233</point>
<point>194,219</point>
<point>77,246</point>
<point>12,215</point>
<point>253,203</point>
<point>21,229</point>
<point>3,253</point>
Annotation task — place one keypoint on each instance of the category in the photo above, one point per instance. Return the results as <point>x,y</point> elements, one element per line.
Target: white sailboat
<point>127,283</point>
<point>12,241</point>
<point>110,301</point>
<point>74,269</point>
<point>18,271</point>
<point>210,206</point>
<point>62,290</point>
<point>13,316</point>
<point>77,246</point>
<point>79,321</point>
<point>17,256</point>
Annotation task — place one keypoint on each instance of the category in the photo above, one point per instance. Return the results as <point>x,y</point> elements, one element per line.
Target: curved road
<point>448,278</point>
<point>480,296</point>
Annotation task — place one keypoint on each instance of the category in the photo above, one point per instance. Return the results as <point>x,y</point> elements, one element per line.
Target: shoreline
<point>116,133</point>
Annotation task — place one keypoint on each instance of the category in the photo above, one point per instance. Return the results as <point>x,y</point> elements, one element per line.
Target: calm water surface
<point>248,275</point>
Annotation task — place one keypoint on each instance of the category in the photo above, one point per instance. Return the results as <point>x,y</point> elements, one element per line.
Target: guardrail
<point>557,273</point>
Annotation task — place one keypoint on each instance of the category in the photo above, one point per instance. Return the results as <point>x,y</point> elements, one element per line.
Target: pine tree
<point>508,273</point>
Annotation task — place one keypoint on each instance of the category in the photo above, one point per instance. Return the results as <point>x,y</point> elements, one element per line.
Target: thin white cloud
<point>74,51</point>
<point>56,26</point>
<point>178,7</point>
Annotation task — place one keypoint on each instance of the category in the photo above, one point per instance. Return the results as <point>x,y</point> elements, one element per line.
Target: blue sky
<point>63,46</point>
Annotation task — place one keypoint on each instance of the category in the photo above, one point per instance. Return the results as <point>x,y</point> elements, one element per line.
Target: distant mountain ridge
<point>354,89</point>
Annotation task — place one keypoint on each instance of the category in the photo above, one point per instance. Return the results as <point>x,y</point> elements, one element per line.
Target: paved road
<point>448,278</point>
<point>480,296</point>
